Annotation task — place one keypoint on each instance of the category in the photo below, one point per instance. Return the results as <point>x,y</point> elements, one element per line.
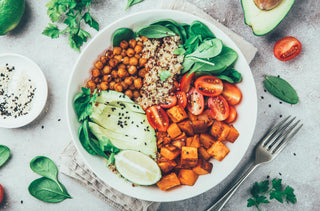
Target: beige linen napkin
<point>72,164</point>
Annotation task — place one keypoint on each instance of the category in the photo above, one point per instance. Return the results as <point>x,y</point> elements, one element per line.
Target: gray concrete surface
<point>298,166</point>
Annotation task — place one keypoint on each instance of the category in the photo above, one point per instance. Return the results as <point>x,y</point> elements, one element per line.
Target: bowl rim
<point>210,25</point>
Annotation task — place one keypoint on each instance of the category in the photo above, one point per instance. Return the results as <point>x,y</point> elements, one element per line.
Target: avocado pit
<point>267,4</point>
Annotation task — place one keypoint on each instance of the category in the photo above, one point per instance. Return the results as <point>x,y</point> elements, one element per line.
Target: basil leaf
<point>47,190</point>
<point>155,31</point>
<point>281,89</point>
<point>132,2</point>
<point>164,75</point>
<point>122,34</point>
<point>4,154</point>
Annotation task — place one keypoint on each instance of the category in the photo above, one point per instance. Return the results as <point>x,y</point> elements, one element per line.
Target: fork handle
<point>225,198</point>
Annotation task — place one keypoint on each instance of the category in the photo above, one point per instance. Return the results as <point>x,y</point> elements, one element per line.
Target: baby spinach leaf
<point>173,26</point>
<point>226,58</point>
<point>230,75</point>
<point>155,31</point>
<point>122,34</point>
<point>187,64</point>
<point>281,89</point>
<point>198,28</point>
<point>208,49</point>
<point>82,103</point>
<point>192,43</point>
<point>44,167</point>
<point>47,190</point>
<point>4,154</point>
<point>179,51</point>
<point>132,2</point>
<point>84,137</point>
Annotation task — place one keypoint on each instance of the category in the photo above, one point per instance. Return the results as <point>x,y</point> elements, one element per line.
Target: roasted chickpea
<point>132,70</point>
<point>138,48</point>
<point>137,56</point>
<point>125,60</point>
<point>109,54</point>
<point>107,78</point>
<point>114,74</point>
<point>91,84</point>
<point>128,93</point>
<point>133,61</point>
<point>104,59</point>
<point>117,51</point>
<point>113,62</point>
<point>137,83</point>
<point>143,38</point>
<point>124,44</point>
<point>96,80</point>
<point>95,73</point>
<point>106,70</point>
<point>98,65</point>
<point>104,85</point>
<point>112,84</point>
<point>139,43</point>
<point>130,52</point>
<point>117,80</point>
<point>124,85</point>
<point>118,87</point>
<point>142,62</point>
<point>132,43</point>
<point>136,94</point>
<point>123,53</point>
<point>122,72</point>
<point>128,80</point>
<point>118,57</point>
<point>142,73</point>
<point>131,87</point>
<point>122,66</point>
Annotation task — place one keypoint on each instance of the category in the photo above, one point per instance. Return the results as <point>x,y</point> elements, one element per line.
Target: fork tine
<point>284,144</point>
<point>266,138</point>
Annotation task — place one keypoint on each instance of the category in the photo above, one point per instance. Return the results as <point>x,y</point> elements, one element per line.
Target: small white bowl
<point>33,72</point>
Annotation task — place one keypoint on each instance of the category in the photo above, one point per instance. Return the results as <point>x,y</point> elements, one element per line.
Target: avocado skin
<point>269,29</point>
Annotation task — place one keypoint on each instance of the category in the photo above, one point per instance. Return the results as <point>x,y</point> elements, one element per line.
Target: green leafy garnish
<point>122,34</point>
<point>164,75</point>
<point>281,89</point>
<point>155,31</point>
<point>71,13</point>
<point>261,190</point>
<point>4,154</point>
<point>82,103</point>
<point>132,2</point>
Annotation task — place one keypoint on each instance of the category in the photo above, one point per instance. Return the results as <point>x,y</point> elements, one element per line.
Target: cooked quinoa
<point>160,56</point>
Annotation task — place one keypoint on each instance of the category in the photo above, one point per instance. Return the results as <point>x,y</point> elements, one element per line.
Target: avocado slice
<point>264,21</point>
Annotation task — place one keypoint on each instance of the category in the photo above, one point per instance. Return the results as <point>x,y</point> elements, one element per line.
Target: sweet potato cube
<point>182,137</point>
<point>163,141</point>
<point>178,143</point>
<point>220,130</point>
<point>169,152</point>
<point>187,177</point>
<point>203,167</point>
<point>206,140</point>
<point>161,134</point>
<point>173,130</point>
<point>168,181</point>
<point>177,113</point>
<point>166,165</point>
<point>218,150</point>
<point>203,154</point>
<point>186,127</point>
<point>199,126</point>
<point>205,115</point>
<point>189,157</point>
<point>193,141</point>
<point>233,135</point>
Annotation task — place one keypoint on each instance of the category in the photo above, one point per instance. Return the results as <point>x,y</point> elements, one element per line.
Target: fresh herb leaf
<point>82,103</point>
<point>155,31</point>
<point>84,139</point>
<point>51,31</point>
<point>230,75</point>
<point>132,2</point>
<point>208,49</point>
<point>4,154</point>
<point>198,28</point>
<point>289,195</point>
<point>164,75</point>
<point>179,51</point>
<point>122,34</point>
<point>89,20</point>
<point>281,89</point>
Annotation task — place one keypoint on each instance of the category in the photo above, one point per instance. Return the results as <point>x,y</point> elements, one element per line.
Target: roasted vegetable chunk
<point>169,152</point>
<point>178,143</point>
<point>233,135</point>
<point>206,140</point>
<point>193,141</point>
<point>189,157</point>
<point>218,150</point>
<point>220,130</point>
<point>203,167</point>
<point>173,130</point>
<point>166,165</point>
<point>187,177</point>
<point>186,126</point>
<point>199,126</point>
<point>168,181</point>
<point>203,154</point>
<point>177,113</point>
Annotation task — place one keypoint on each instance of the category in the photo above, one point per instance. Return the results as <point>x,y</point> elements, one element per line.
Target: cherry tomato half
<point>157,118</point>
<point>182,99</point>
<point>286,48</point>
<point>219,107</point>
<point>209,85</point>
<point>1,193</point>
<point>186,82</point>
<point>171,101</point>
<point>232,115</point>
<point>195,101</point>
<point>231,93</point>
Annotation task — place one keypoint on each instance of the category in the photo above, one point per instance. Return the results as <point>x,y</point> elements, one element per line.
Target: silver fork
<point>266,150</point>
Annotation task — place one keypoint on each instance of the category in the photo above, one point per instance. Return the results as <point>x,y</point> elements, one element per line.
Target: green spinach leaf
<point>155,31</point>
<point>47,190</point>
<point>164,75</point>
<point>122,34</point>
<point>82,103</point>
<point>83,135</point>
<point>208,49</point>
<point>173,26</point>
<point>281,89</point>
<point>4,154</point>
<point>230,75</point>
<point>198,28</point>
<point>132,2</point>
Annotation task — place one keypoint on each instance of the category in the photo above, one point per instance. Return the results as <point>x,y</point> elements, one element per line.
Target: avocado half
<point>264,21</point>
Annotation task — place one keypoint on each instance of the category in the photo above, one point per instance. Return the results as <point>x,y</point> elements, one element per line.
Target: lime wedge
<point>137,167</point>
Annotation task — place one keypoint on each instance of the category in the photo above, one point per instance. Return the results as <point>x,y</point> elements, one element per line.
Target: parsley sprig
<point>71,13</point>
<point>260,190</point>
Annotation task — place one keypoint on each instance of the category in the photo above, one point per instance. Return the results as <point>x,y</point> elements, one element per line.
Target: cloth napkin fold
<point>72,164</point>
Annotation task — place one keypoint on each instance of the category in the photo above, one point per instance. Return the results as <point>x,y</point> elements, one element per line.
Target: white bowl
<point>24,65</point>
<point>245,124</point>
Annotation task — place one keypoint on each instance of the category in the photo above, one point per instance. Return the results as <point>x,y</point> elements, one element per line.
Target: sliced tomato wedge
<point>232,115</point>
<point>182,98</point>
<point>231,93</point>
<point>1,193</point>
<point>195,103</point>
<point>219,107</point>
<point>186,82</point>
<point>287,48</point>
<point>171,101</point>
<point>209,85</point>
<point>157,118</point>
